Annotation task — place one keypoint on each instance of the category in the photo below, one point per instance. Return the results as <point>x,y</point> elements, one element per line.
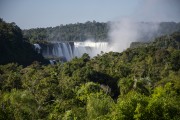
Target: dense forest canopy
<point>70,32</point>
<point>140,83</point>
<point>90,30</point>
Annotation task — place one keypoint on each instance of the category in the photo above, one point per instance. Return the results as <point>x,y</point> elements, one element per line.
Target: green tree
<point>18,105</point>
<point>164,104</point>
<point>99,105</point>
<point>86,90</point>
<point>130,106</point>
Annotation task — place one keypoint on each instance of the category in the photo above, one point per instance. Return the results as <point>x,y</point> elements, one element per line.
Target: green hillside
<point>14,47</point>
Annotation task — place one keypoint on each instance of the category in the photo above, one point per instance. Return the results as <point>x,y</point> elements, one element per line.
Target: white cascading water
<point>37,48</point>
<point>91,48</point>
<point>69,50</point>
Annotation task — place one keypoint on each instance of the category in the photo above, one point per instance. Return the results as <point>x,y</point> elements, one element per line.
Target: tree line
<point>71,32</point>
<point>97,31</point>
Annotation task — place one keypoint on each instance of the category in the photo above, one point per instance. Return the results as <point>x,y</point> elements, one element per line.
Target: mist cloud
<point>124,31</point>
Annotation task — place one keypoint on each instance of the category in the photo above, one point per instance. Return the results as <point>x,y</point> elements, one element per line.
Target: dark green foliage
<point>175,60</point>
<point>10,77</point>
<point>14,48</point>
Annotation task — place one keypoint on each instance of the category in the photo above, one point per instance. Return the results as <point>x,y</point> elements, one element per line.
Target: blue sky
<point>46,13</point>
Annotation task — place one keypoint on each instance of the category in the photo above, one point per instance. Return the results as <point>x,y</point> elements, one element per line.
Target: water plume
<point>124,31</point>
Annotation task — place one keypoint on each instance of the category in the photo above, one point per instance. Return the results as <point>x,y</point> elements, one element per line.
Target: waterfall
<point>91,48</point>
<point>37,48</point>
<point>69,50</point>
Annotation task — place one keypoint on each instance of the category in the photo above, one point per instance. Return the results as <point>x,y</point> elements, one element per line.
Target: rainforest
<point>141,82</point>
